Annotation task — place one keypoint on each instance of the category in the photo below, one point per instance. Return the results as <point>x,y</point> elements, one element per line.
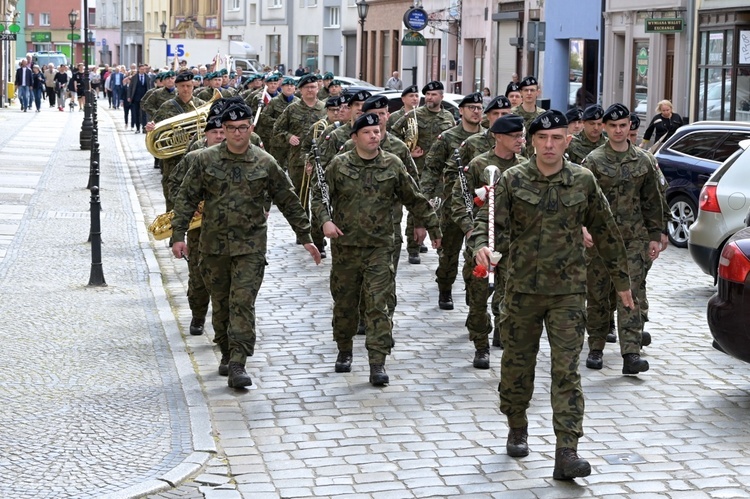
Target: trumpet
<point>161,227</point>
<point>411,134</point>
<point>171,137</point>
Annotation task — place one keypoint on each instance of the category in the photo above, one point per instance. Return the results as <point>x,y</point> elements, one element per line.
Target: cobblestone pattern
<point>91,400</point>
<point>678,431</point>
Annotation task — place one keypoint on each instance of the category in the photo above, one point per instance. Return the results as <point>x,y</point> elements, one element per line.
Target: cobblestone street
<point>106,394</point>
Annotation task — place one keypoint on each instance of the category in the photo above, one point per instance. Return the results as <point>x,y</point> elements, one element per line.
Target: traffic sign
<point>8,37</point>
<point>415,19</point>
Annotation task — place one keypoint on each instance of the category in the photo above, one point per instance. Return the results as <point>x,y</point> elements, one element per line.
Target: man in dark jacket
<point>139,85</point>
<point>23,84</point>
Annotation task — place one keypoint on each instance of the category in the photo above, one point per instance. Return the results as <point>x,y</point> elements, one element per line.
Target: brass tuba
<point>171,137</point>
<point>411,134</point>
<point>161,227</point>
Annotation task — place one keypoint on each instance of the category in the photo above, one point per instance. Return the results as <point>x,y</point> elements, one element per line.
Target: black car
<point>687,159</point>
<point>729,308</point>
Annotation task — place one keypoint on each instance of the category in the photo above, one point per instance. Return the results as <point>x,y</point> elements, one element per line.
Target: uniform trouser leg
<point>564,318</point>
<point>498,296</point>
<point>478,321</point>
<point>598,285</point>
<point>167,165</point>
<point>366,272</point>
<point>396,256</point>
<point>642,297</point>
<point>412,248</point>
<point>197,293</point>
<point>233,284</point>
<point>448,254</point>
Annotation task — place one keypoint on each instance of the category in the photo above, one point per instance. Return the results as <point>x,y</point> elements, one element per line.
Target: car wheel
<point>683,213</point>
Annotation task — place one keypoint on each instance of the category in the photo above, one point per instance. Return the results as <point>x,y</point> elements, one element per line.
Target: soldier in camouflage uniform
<point>575,120</point>
<point>337,138</point>
<point>410,100</point>
<point>628,179</point>
<point>180,104</point>
<point>363,184</point>
<point>226,89</point>
<point>323,92</point>
<point>541,207</point>
<point>197,293</point>
<point>269,90</point>
<point>295,127</point>
<point>527,109</point>
<point>268,117</point>
<point>432,120</point>
<point>508,138</point>
<point>590,138</point>
<point>233,178</point>
<point>437,180</point>
<point>482,142</point>
<point>162,91</point>
<point>513,93</point>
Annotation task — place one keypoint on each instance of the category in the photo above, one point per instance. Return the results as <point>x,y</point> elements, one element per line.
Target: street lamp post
<point>87,126</point>
<point>72,18</point>
<point>362,9</point>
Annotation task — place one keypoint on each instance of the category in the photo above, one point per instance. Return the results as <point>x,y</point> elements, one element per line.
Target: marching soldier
<point>541,206</point>
<point>410,100</point>
<point>227,90</point>
<point>180,104</point>
<point>440,173</point>
<point>627,176</point>
<point>270,114</point>
<point>233,179</point>
<point>590,138</point>
<point>482,142</point>
<point>513,93</point>
<point>527,109</point>
<point>155,97</point>
<point>508,137</point>
<point>197,293</point>
<point>334,88</point>
<point>575,120</point>
<point>363,184</point>
<point>432,120</point>
<point>268,90</point>
<point>253,83</point>
<point>333,142</point>
<point>323,93</point>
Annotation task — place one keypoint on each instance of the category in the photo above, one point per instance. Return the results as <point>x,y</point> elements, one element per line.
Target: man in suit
<point>139,85</point>
<point>23,84</point>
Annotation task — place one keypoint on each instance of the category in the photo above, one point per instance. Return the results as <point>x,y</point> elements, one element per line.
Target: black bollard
<point>97,273</point>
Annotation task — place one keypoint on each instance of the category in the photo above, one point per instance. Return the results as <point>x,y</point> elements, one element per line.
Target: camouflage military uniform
<point>629,181</point>
<point>323,93</point>
<point>580,147</point>
<point>475,145</point>
<point>527,119</point>
<point>207,93</point>
<point>362,194</point>
<point>663,185</point>
<point>256,98</point>
<point>333,142</point>
<point>439,174</point>
<point>546,283</point>
<point>393,118</point>
<point>477,290</point>
<point>169,109</point>
<point>234,234</point>
<point>154,98</point>
<point>266,122</point>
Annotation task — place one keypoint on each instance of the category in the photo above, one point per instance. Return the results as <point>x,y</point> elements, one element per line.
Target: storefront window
<point>309,45</point>
<point>639,101</point>
<point>743,94</point>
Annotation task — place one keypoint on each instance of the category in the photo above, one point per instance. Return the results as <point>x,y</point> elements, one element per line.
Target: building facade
<point>47,28</point>
<point>108,17</point>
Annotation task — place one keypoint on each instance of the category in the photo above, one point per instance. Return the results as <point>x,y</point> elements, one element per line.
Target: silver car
<point>724,203</point>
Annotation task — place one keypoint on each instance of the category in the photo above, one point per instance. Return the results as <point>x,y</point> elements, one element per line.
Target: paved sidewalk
<point>110,405</point>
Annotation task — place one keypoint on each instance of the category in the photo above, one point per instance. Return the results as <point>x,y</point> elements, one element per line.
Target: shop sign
<point>41,37</point>
<point>641,61</point>
<point>8,37</point>
<point>415,19</point>
<point>662,25</point>
<point>413,39</point>
<point>744,47</point>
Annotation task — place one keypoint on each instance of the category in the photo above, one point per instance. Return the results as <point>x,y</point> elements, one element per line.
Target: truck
<point>199,52</point>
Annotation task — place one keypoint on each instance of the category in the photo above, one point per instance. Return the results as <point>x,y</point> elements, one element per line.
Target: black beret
<point>574,114</point>
<point>306,80</point>
<point>335,83</point>
<point>593,112</point>
<point>512,87</point>
<point>237,112</point>
<point>412,89</point>
<point>334,101</point>
<point>635,121</point>
<point>510,123</point>
<point>183,76</point>
<point>170,74</point>
<point>345,96</point>
<point>527,82</point>
<point>375,102</point>
<point>219,105</point>
<point>359,96</point>
<point>433,85</point>
<point>475,98</point>
<point>616,112</point>
<point>212,123</point>
<point>367,119</point>
<point>547,121</point>
<point>328,76</point>
<point>499,102</point>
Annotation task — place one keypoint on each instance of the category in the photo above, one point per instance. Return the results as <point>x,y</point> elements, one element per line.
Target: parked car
<point>450,102</point>
<point>728,310</point>
<point>724,202</point>
<point>687,159</point>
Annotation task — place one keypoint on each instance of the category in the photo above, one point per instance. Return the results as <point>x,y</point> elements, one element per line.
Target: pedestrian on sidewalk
<point>234,179</point>
<point>541,207</point>
<point>38,86</point>
<point>61,84</point>
<point>24,84</point>
<point>49,81</point>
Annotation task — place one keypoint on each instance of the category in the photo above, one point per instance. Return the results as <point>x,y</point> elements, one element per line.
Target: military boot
<point>612,334</point>
<point>344,361</point>
<point>224,364</point>
<point>517,445</point>
<point>595,359</point>
<point>632,363</point>
<point>423,248</point>
<point>568,465</point>
<point>482,358</point>
<point>414,259</point>
<point>645,339</point>
<point>196,326</point>
<point>238,377</point>
<point>445,300</point>
<point>378,376</point>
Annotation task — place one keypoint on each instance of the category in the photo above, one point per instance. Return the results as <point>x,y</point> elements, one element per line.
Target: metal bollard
<point>97,273</point>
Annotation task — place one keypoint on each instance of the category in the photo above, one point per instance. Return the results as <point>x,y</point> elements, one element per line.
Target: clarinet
<point>468,199</point>
<point>320,173</point>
